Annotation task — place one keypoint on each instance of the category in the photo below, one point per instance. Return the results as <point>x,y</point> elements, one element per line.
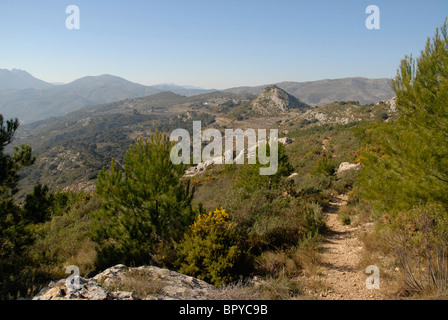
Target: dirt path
<point>341,254</point>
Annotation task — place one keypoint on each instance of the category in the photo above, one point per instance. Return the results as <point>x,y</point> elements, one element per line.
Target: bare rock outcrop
<point>274,101</point>
<point>123,283</point>
<point>249,152</point>
<point>79,289</point>
<point>346,166</point>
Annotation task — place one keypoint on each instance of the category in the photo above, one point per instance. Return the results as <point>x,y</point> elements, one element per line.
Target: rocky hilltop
<point>275,101</point>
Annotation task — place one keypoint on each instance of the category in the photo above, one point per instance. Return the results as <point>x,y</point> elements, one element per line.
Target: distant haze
<point>29,99</point>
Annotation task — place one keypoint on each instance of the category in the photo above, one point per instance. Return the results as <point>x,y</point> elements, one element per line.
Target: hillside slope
<point>19,79</point>
<point>33,104</point>
<point>318,93</point>
<point>273,101</point>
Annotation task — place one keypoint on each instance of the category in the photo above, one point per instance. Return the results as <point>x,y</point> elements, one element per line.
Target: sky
<point>214,44</point>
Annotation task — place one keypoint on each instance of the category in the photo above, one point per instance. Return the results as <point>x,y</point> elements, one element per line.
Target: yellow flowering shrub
<point>210,250</point>
<point>218,218</point>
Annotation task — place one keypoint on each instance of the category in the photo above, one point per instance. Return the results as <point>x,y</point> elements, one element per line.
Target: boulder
<point>80,289</point>
<point>142,283</point>
<point>285,140</point>
<point>345,166</point>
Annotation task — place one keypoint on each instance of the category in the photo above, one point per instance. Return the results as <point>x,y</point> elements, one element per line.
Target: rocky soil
<point>343,275</point>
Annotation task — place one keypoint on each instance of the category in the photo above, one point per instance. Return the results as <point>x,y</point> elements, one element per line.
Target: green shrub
<point>264,218</point>
<point>315,218</point>
<point>325,166</point>
<point>345,181</point>
<point>269,219</point>
<point>210,250</point>
<point>64,240</point>
<point>345,219</point>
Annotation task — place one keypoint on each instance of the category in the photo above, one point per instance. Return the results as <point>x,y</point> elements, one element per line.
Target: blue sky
<point>214,44</point>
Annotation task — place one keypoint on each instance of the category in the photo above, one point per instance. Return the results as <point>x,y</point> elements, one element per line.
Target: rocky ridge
<point>274,101</point>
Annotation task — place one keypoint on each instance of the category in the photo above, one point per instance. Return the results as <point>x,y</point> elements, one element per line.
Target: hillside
<point>30,105</point>
<point>29,99</point>
<point>317,93</point>
<point>72,149</point>
<point>19,79</point>
<point>187,91</point>
<point>274,101</point>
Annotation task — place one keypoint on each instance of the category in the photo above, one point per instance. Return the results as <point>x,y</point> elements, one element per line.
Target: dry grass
<point>310,261</point>
<point>377,251</point>
<point>139,282</point>
<point>290,274</point>
<point>412,255</point>
<point>236,291</point>
<point>85,257</point>
<point>302,260</point>
<point>275,263</point>
<point>278,288</point>
<point>264,288</point>
<point>355,213</point>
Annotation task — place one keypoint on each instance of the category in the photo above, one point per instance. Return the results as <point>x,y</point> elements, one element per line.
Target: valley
<point>72,149</point>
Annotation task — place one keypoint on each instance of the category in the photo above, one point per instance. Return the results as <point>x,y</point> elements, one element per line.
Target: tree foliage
<point>145,204</point>
<point>14,235</point>
<point>406,169</point>
<point>38,205</point>
<point>411,164</point>
<point>10,165</point>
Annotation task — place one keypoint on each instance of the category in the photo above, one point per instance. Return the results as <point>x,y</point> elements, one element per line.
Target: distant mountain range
<point>29,99</point>
<point>187,91</point>
<point>19,79</point>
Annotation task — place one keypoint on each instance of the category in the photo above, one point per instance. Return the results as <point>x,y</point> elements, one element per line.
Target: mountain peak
<point>19,71</point>
<point>19,79</point>
<point>273,100</point>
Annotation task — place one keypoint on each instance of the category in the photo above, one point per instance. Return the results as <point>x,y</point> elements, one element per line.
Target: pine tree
<point>145,205</point>
<point>412,164</point>
<point>13,233</point>
<point>38,205</point>
<point>10,165</point>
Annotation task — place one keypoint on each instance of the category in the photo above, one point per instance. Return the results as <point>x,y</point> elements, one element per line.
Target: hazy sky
<point>211,43</point>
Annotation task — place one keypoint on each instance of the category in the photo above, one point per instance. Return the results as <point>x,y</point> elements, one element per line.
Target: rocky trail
<point>342,274</point>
